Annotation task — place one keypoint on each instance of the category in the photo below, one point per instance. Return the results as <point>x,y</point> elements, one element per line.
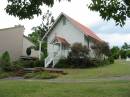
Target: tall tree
<point>115,51</point>
<point>101,49</point>
<point>39,31</point>
<point>119,10</point>
<point>125,46</point>
<point>27,8</point>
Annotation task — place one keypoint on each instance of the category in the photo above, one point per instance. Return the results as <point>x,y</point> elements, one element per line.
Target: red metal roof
<point>80,26</point>
<point>62,40</point>
<point>83,28</point>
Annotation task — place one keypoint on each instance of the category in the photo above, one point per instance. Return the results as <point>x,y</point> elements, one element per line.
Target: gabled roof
<point>78,25</point>
<point>62,40</point>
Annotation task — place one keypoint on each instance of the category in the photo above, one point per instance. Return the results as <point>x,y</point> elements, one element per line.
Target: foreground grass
<point>119,68</point>
<point>44,89</point>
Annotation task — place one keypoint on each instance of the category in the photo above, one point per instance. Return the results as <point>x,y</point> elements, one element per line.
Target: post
<point>39,49</point>
<point>60,49</point>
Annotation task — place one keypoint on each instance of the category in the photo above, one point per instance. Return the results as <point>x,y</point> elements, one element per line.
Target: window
<point>64,21</point>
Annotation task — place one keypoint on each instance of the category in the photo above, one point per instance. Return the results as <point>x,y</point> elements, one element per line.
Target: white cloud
<point>115,38</point>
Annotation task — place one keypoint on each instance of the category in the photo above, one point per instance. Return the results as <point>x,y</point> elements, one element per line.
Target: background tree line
<point>122,52</point>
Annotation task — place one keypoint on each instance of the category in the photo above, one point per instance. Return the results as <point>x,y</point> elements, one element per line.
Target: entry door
<point>56,49</point>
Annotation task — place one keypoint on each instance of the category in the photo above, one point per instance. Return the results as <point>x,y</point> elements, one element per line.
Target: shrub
<point>5,74</point>
<point>111,59</point>
<point>40,75</point>
<point>79,58</point>
<point>83,62</point>
<point>63,63</point>
<point>17,65</point>
<point>5,62</point>
<point>38,63</point>
<point>79,51</point>
<point>27,64</point>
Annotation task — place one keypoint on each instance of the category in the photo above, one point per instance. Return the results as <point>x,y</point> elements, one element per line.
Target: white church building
<point>63,34</point>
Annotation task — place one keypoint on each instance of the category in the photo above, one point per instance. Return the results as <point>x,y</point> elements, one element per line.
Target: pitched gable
<point>78,25</point>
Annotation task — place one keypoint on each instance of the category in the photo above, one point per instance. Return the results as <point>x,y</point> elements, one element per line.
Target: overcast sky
<point>78,10</point>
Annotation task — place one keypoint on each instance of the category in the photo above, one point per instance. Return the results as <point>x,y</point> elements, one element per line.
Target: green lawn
<point>119,68</point>
<point>42,88</point>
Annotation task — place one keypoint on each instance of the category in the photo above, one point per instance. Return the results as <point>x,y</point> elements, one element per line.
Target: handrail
<point>48,59</point>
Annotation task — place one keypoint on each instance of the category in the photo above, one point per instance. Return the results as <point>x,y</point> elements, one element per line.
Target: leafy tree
<point>125,46</point>
<point>101,49</point>
<point>27,8</point>
<point>39,31</point>
<point>79,51</point>
<point>123,54</point>
<point>115,51</point>
<point>78,56</point>
<point>128,53</point>
<point>118,10</point>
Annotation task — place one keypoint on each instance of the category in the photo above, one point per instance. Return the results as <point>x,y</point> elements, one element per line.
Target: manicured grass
<point>119,68</point>
<point>44,89</point>
<point>100,88</point>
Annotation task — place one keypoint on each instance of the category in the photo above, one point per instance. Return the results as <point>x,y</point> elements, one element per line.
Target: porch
<point>60,50</point>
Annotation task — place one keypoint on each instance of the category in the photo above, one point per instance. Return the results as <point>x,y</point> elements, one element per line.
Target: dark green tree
<point>79,51</point>
<point>125,46</point>
<point>115,51</point>
<point>101,49</point>
<point>26,9</point>
<point>123,54</point>
<point>119,10</point>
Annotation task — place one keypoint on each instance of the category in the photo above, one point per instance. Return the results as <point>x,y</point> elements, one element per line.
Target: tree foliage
<point>26,9</point>
<point>79,51</point>
<point>39,31</point>
<point>115,51</point>
<point>119,10</point>
<point>101,49</point>
<point>125,46</point>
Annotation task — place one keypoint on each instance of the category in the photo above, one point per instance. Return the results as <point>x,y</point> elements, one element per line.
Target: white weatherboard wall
<point>26,44</point>
<point>67,31</point>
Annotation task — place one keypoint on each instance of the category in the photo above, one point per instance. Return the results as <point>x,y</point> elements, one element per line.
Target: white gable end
<point>67,31</point>
<point>64,33</point>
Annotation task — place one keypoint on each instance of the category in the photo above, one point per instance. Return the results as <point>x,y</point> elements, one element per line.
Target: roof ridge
<point>82,27</point>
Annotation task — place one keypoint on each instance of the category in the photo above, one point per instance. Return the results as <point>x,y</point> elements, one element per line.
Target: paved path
<point>73,80</point>
<point>88,80</point>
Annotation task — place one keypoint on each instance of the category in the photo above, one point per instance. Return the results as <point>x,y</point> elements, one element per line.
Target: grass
<point>42,88</point>
<point>119,68</point>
